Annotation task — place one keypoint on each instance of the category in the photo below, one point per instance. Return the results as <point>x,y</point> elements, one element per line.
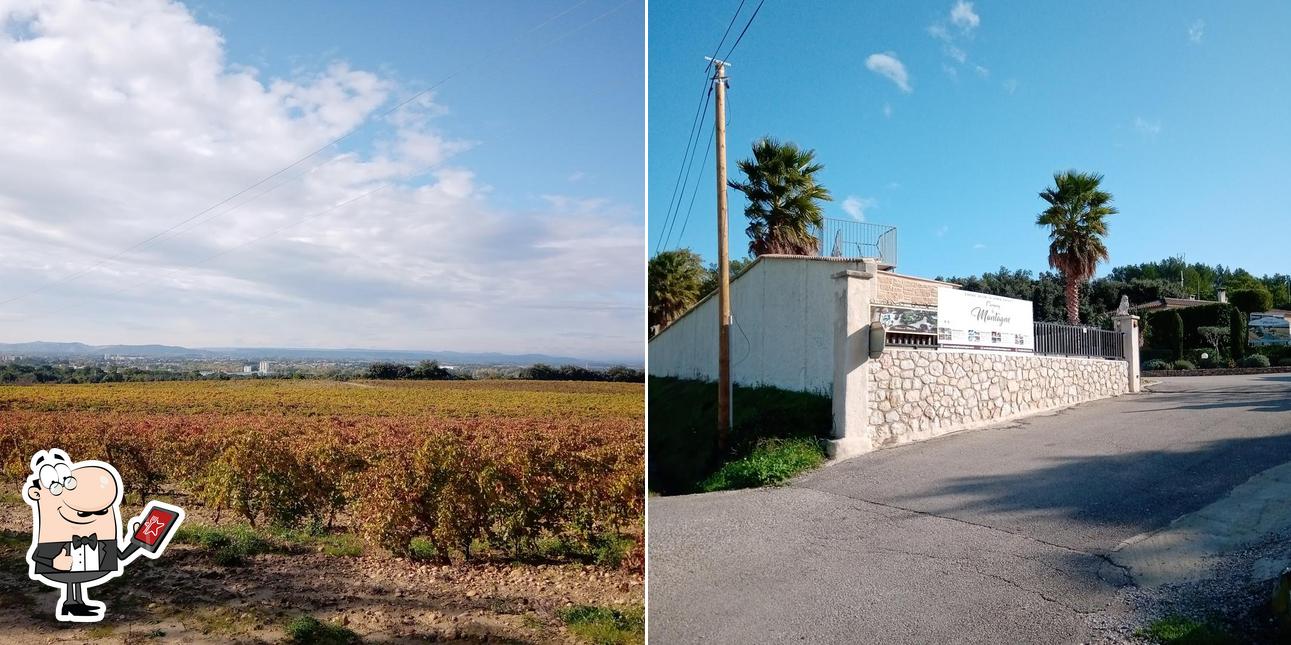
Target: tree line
<point>432,371</point>
<point>27,373</point>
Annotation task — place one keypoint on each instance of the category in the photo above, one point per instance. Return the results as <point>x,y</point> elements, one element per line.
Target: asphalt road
<point>998,535</point>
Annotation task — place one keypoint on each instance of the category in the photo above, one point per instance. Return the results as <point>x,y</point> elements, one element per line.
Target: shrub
<point>1155,364</point>
<point>1237,336</point>
<point>1169,333</point>
<point>1184,365</point>
<point>1251,300</point>
<point>307,629</point>
<point>1255,360</point>
<point>1284,362</point>
<point>1175,325</point>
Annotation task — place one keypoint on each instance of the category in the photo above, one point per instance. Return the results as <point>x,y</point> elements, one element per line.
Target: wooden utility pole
<point>723,271</point>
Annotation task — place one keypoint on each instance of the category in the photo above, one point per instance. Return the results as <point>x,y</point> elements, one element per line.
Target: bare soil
<point>186,597</point>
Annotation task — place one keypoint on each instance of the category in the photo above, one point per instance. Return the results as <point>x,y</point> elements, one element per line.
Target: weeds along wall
<point>782,335</point>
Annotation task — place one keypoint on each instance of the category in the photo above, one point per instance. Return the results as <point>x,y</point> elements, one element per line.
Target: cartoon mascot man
<point>76,521</point>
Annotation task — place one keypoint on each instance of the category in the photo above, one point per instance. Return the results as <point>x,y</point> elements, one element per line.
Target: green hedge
<point>1173,335</point>
<point>683,422</point>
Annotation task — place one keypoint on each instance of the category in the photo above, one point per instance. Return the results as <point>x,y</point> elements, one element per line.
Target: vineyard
<point>462,465</point>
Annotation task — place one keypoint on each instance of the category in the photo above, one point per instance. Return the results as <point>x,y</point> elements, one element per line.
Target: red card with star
<point>156,525</point>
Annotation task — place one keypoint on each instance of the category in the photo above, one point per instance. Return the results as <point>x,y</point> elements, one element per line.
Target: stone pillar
<point>853,291</point>
<point>1129,325</point>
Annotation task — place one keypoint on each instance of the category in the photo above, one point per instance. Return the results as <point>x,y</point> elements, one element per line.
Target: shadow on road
<point>1139,490</point>
<point>1254,401</point>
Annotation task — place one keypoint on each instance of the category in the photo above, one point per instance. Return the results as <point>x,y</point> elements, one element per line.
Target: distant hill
<point>63,350</point>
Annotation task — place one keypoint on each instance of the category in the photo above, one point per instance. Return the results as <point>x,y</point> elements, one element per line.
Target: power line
<point>681,197</point>
<point>677,183</point>
<point>670,216</point>
<point>746,29</point>
<point>76,274</point>
<point>721,42</point>
<point>698,180</point>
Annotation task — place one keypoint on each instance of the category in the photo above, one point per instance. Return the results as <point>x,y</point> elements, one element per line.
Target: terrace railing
<point>842,238</point>
<point>1057,339</point>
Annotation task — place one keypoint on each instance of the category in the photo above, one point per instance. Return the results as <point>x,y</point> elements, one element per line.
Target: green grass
<point>1180,630</point>
<point>607,550</point>
<point>307,629</point>
<point>229,546</point>
<point>772,462</point>
<point>606,626</point>
<point>420,548</point>
<point>100,631</point>
<point>234,545</point>
<point>683,421</point>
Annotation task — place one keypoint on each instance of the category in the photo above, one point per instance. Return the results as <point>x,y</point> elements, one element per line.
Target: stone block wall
<point>919,394</point>
<point>896,289</point>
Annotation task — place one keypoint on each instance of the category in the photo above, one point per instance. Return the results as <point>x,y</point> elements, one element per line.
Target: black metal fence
<point>1057,339</point>
<point>851,239</point>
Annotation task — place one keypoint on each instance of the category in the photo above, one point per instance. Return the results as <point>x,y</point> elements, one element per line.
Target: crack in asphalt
<point>1101,556</point>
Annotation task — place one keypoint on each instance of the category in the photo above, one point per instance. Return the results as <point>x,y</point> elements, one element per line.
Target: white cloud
<point>1197,31</point>
<point>129,119</point>
<point>963,16</point>
<point>1010,85</point>
<point>576,176</point>
<point>887,64</point>
<point>855,206</point>
<point>1147,127</point>
<point>953,42</point>
<point>979,246</point>
<point>887,110</point>
<point>941,230</point>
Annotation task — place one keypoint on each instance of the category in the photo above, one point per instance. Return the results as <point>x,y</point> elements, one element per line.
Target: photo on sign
<point>906,319</point>
<point>982,321</point>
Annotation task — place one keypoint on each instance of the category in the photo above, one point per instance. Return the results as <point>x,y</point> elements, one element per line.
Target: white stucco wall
<point>782,334</point>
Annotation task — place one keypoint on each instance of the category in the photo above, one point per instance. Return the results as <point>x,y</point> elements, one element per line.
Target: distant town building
<point>264,367</point>
<point>246,369</point>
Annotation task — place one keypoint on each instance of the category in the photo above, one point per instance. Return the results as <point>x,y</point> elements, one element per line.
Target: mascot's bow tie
<point>92,540</point>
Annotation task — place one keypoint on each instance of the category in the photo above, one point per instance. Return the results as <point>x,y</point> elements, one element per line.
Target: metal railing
<point>903,339</point>
<point>1057,339</point>
<point>842,238</point>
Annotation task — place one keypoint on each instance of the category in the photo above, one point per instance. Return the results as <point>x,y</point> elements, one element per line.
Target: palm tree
<point>675,280</point>
<point>1075,217</point>
<point>783,198</point>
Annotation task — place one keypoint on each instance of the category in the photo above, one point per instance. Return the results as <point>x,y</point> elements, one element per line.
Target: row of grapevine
<point>504,482</point>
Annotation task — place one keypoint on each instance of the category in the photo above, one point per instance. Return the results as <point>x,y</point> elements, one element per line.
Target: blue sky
<point>1182,105</point>
<point>503,211</point>
<point>541,114</point>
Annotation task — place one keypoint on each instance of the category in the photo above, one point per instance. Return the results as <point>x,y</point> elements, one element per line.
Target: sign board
<point>982,321</point>
<point>1267,329</point>
<point>907,320</point>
